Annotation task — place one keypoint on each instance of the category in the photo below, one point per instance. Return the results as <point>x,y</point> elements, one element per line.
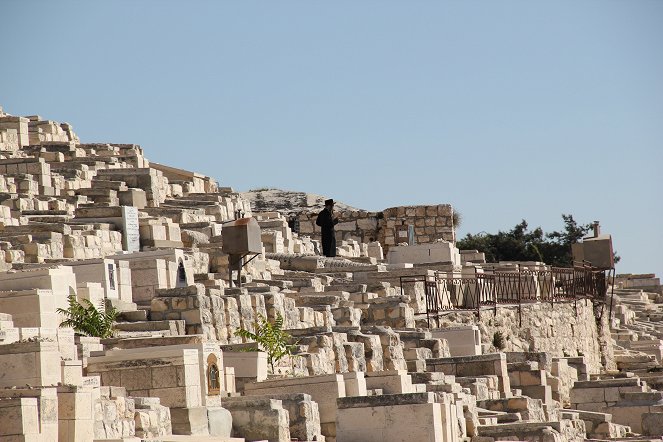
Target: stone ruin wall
<point>557,330</point>
<point>431,223</point>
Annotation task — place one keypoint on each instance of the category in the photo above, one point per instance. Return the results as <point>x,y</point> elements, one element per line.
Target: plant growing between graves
<point>457,218</point>
<point>270,338</point>
<point>85,319</point>
<point>498,340</point>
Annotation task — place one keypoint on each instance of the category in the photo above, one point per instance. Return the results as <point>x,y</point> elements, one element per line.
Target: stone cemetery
<point>213,316</point>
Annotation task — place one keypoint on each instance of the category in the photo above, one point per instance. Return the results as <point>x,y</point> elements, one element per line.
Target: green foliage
<point>87,320</point>
<point>457,218</point>
<point>521,244</point>
<point>270,338</point>
<point>498,340</point>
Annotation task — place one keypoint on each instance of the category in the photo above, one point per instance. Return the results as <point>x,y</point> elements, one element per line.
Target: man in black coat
<point>326,221</point>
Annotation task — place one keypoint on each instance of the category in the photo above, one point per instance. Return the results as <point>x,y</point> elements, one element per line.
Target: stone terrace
<point>102,223</point>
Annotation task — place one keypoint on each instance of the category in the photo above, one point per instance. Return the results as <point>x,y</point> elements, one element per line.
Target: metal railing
<point>446,293</point>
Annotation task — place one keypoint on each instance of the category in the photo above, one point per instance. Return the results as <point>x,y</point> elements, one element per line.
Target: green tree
<point>87,320</point>
<point>270,338</point>
<point>521,244</point>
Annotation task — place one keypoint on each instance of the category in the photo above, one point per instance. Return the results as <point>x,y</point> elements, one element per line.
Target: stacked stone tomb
<point>361,367</point>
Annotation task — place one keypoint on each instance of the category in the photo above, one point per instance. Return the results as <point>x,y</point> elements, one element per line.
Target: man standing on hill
<point>327,221</point>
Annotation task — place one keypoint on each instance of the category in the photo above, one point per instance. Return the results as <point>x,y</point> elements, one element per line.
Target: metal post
<point>520,306</point>
<point>612,292</point>
<point>478,302</point>
<point>239,271</point>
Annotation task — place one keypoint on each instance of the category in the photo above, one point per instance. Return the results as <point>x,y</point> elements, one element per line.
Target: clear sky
<point>505,109</point>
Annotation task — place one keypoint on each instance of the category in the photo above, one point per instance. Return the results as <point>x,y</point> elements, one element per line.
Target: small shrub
<point>270,338</point>
<point>87,320</point>
<point>498,340</point>
<point>456,218</point>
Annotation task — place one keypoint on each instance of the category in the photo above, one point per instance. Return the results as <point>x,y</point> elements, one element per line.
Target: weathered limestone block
<point>32,363</point>
<point>233,319</point>
<point>47,401</point>
<point>462,340</point>
<point>75,413</point>
<point>303,413</point>
<point>529,409</point>
<point>652,424</point>
<point>392,348</point>
<point>151,418</point>
<point>16,132</point>
<point>250,366</point>
<point>530,431</point>
<point>315,299</point>
<point>30,308</point>
<point>347,316</point>
<point>218,316</point>
<point>414,416</point>
<point>339,339</point>
<point>374,250</point>
<point>258,305</point>
<point>275,305</point>
<point>562,380</point>
<point>171,374</point>
<point>354,354</point>
<point>60,280</point>
<point>396,314</point>
<point>19,419</point>
<point>220,422</point>
<point>355,384</point>
<point>597,395</point>
<point>490,364</point>
<point>150,180</point>
<point>372,350</point>
<point>189,421</point>
<point>306,316</point>
<point>421,345</point>
<point>245,306</point>
<point>114,415</point>
<point>633,406</point>
<point>390,381</point>
<point>202,309</point>
<point>259,418</point>
<point>209,352</point>
<point>71,372</point>
<point>417,296</point>
<point>323,389</point>
<point>323,317</point>
<point>319,354</point>
<point>483,388</point>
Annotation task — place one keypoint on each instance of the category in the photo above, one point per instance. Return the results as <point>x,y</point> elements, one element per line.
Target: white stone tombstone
<point>441,251</point>
<point>130,229</point>
<point>462,340</point>
<point>374,250</point>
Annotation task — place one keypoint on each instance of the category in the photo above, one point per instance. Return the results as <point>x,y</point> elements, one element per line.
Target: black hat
<point>329,202</point>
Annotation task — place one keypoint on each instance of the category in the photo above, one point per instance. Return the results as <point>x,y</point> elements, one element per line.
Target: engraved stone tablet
<point>130,230</point>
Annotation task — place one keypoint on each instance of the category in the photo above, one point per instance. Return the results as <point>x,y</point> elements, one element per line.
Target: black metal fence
<point>446,293</point>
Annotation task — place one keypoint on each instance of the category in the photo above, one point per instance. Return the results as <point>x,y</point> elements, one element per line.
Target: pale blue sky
<point>505,109</point>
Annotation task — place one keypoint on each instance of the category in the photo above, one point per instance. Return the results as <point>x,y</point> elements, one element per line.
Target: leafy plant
<point>498,340</point>
<point>87,320</point>
<point>523,244</point>
<point>270,338</point>
<point>457,218</point>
